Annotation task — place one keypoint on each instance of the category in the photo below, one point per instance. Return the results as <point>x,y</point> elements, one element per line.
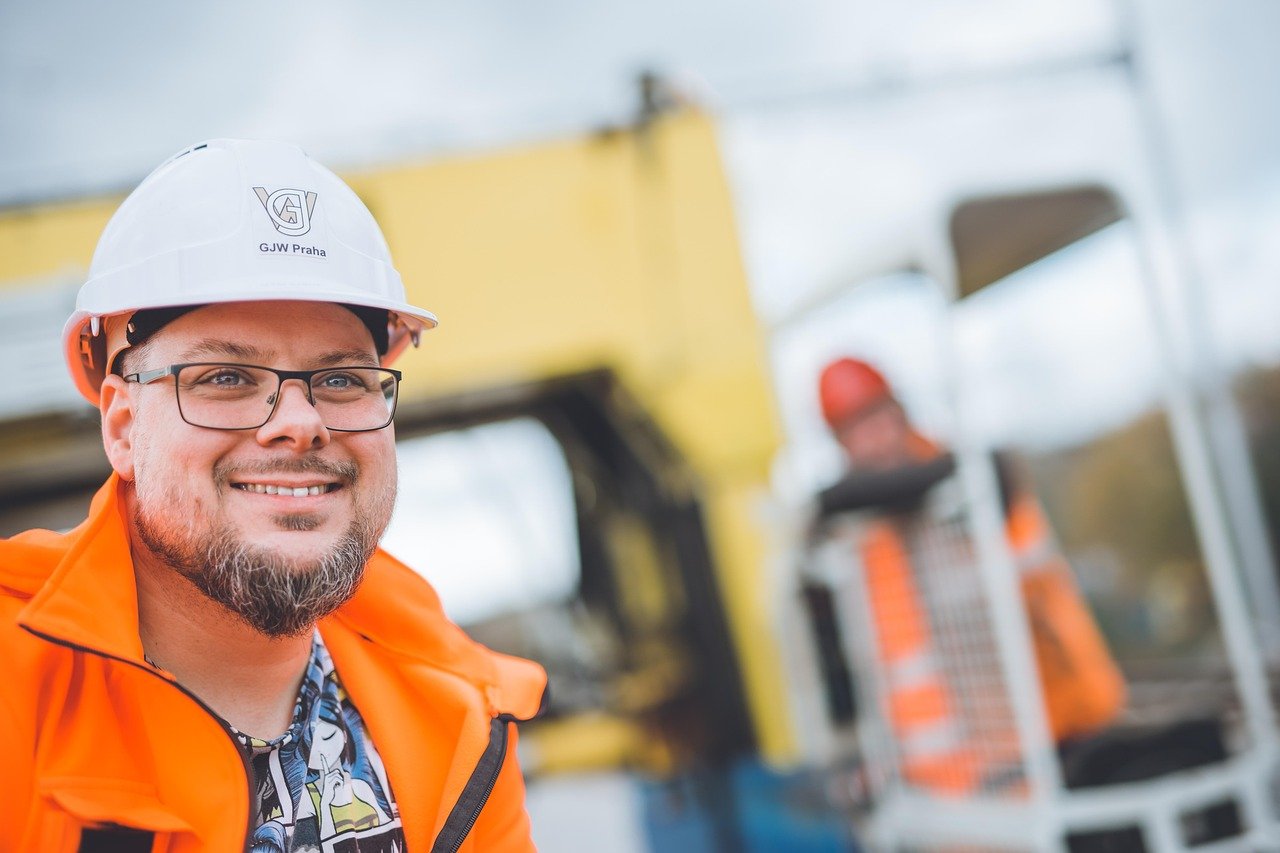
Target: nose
<point>294,422</point>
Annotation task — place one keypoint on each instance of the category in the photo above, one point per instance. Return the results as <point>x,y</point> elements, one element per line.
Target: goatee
<point>276,596</point>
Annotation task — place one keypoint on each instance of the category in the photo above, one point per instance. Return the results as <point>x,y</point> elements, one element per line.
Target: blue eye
<point>338,380</point>
<point>223,377</point>
<point>225,381</point>
<point>346,380</point>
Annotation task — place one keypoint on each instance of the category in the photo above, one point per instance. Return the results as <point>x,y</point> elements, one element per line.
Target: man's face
<point>199,500</point>
<point>876,439</point>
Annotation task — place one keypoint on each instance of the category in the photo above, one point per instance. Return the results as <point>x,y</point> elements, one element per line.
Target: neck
<point>249,679</point>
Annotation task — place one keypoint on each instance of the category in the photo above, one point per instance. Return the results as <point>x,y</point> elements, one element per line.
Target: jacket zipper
<point>466,811</point>
<point>244,760</point>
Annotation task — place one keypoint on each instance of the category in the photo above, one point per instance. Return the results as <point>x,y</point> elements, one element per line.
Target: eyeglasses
<point>245,396</point>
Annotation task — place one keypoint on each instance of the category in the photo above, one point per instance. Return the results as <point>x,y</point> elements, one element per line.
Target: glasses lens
<point>355,398</point>
<point>235,396</point>
<point>225,396</point>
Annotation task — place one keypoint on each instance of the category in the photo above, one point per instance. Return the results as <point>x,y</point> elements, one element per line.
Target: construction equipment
<point>973,750</point>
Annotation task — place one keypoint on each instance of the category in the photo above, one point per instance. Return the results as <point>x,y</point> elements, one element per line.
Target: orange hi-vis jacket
<point>101,751</point>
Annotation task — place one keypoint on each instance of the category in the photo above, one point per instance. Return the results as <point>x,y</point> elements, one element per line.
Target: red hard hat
<point>847,387</point>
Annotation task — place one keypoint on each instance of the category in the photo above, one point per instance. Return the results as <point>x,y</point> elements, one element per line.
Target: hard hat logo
<point>290,210</point>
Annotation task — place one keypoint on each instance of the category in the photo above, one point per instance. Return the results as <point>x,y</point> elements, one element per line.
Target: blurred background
<point>646,229</point>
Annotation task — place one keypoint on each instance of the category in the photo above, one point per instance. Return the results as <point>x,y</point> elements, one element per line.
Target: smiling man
<point>219,657</point>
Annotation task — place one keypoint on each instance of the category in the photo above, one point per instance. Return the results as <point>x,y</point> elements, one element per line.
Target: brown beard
<point>277,596</point>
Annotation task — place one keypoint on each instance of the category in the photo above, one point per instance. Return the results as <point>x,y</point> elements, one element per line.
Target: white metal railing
<point>1027,819</point>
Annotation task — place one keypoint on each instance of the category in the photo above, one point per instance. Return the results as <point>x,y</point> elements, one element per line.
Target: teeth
<point>292,491</point>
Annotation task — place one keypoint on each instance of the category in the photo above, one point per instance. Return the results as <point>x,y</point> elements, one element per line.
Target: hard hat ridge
<point>233,220</point>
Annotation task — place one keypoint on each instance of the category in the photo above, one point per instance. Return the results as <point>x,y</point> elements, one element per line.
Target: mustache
<point>342,472</point>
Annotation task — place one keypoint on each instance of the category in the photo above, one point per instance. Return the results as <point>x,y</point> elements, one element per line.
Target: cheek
<point>167,454</point>
<point>376,456</point>
<point>393,471</point>
<point>378,478</point>
<point>148,451</point>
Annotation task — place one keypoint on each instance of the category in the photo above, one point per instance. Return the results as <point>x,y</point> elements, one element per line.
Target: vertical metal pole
<point>1191,445</point>
<point>1236,480</point>
<point>1160,265</point>
<point>1257,811</point>
<point>1243,497</point>
<point>1157,824</point>
<point>999,575</point>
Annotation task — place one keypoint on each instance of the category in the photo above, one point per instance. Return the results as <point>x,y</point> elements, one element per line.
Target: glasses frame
<point>146,377</point>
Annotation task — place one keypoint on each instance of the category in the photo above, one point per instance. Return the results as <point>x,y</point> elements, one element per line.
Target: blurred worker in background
<point>219,657</point>
<point>891,469</point>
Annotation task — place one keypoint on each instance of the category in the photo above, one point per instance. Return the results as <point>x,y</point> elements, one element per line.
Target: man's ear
<point>116,406</point>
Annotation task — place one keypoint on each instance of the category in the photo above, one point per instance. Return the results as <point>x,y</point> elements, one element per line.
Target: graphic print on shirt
<point>321,786</point>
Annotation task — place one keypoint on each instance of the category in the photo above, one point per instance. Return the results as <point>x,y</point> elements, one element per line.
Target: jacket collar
<point>397,610</point>
<point>90,599</point>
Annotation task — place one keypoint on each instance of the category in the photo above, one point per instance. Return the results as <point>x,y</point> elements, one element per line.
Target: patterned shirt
<point>321,785</point>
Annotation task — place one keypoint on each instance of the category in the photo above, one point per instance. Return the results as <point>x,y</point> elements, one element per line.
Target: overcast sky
<point>94,94</point>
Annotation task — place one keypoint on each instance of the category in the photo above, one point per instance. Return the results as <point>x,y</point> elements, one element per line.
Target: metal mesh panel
<point>969,745</point>
<point>946,566</point>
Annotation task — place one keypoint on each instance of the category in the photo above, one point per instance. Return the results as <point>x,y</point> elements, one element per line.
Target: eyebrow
<point>213,347</point>
<point>250,354</point>
<point>353,357</point>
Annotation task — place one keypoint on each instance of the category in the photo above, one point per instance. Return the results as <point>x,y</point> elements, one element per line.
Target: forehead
<point>271,331</point>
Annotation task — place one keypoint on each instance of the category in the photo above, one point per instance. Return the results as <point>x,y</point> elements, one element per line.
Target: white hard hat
<point>234,220</point>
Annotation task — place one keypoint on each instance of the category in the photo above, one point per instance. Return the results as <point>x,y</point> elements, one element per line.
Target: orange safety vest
<point>97,741</point>
<point>1082,686</point>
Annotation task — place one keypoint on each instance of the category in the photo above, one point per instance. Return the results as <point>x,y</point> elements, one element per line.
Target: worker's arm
<point>903,488</point>
<point>894,490</point>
